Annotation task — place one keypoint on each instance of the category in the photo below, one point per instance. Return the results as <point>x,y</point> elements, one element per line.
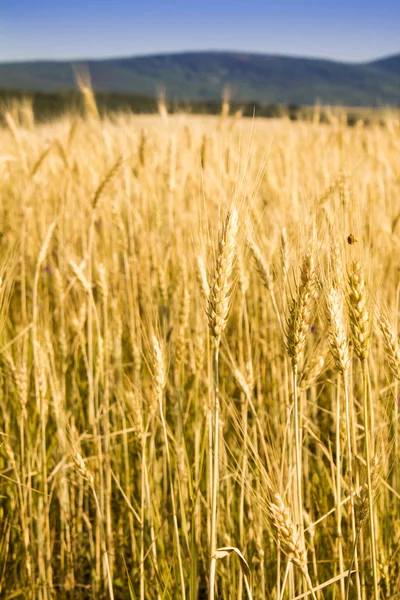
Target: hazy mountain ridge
<point>203,75</point>
<point>391,64</point>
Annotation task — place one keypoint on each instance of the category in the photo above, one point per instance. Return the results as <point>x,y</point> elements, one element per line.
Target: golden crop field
<point>199,358</point>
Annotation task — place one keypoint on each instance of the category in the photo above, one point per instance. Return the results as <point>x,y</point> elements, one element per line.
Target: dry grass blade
<point>226,551</point>
<point>321,586</point>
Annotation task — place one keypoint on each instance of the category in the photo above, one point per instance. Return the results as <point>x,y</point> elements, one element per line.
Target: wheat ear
<point>391,345</point>
<point>359,313</point>
<point>218,300</point>
<point>289,536</point>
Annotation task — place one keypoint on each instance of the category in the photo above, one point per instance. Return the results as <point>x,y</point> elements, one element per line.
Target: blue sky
<point>52,29</point>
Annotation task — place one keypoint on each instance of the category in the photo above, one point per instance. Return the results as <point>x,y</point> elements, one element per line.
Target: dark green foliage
<point>53,104</point>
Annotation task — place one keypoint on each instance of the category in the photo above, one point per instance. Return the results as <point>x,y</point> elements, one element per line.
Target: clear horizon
<point>352,31</point>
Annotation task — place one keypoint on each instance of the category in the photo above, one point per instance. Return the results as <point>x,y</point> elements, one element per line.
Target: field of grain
<point>199,360</point>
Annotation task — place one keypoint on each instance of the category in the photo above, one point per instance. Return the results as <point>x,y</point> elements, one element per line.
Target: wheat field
<point>199,358</point>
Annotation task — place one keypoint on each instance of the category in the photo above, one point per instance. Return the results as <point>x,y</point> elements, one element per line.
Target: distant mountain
<point>203,76</point>
<point>391,64</point>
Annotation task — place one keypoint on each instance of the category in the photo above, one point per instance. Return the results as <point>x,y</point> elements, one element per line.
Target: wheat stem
<point>369,479</point>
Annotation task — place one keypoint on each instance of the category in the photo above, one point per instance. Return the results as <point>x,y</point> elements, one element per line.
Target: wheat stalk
<point>217,312</point>
<point>160,381</point>
<point>361,330</point>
